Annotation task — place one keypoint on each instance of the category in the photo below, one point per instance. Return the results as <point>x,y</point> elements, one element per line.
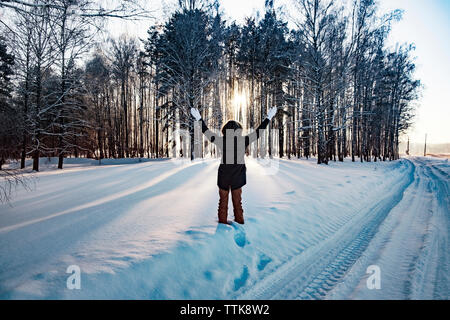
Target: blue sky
<point>426,23</point>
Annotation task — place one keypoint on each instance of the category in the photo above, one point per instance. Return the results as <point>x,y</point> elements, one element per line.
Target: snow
<point>148,230</point>
<point>51,163</point>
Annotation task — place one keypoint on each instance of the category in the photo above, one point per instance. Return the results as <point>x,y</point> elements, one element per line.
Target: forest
<point>340,90</point>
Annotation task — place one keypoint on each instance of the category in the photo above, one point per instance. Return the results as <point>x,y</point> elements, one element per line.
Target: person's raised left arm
<point>255,134</point>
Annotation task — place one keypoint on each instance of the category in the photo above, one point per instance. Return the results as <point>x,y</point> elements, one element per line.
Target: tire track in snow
<point>438,235</point>
<point>396,248</point>
<point>333,272</point>
<point>317,270</point>
<point>411,247</point>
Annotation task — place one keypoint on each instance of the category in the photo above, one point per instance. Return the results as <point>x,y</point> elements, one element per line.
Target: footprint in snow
<point>263,261</point>
<point>194,234</point>
<point>239,235</point>
<point>38,276</point>
<point>222,227</point>
<point>208,275</point>
<point>240,282</point>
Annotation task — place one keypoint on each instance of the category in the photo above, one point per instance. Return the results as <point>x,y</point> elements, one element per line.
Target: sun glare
<point>239,102</point>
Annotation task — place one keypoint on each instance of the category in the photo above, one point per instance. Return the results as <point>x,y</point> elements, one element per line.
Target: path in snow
<point>405,233</point>
<point>149,230</point>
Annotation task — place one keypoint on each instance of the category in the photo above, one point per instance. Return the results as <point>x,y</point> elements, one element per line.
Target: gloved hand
<point>271,113</point>
<point>196,114</point>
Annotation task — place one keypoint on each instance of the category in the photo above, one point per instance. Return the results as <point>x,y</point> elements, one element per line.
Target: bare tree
<point>340,91</point>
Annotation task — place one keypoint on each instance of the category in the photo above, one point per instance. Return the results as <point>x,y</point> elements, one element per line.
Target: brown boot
<point>223,206</point>
<point>236,197</point>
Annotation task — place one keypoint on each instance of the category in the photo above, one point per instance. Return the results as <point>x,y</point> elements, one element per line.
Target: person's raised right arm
<point>208,133</point>
<point>255,134</point>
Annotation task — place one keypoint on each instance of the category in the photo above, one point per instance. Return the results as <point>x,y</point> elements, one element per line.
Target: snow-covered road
<point>149,230</point>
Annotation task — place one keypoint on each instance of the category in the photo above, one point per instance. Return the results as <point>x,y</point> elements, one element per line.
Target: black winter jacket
<point>232,145</point>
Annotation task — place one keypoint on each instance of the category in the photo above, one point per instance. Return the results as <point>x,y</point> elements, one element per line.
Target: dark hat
<point>231,124</point>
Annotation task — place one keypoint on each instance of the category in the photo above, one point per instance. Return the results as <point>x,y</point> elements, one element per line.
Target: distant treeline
<point>418,148</point>
<point>339,90</point>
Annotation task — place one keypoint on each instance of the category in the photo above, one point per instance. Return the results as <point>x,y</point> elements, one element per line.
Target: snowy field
<point>149,231</point>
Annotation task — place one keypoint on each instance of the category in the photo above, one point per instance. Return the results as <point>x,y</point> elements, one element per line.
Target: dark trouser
<point>236,197</point>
